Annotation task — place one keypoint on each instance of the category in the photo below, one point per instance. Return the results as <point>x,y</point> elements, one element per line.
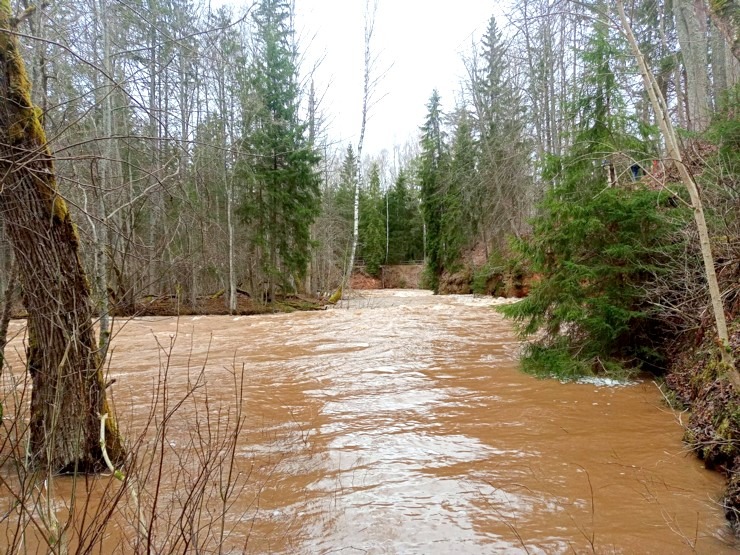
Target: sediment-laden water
<point>397,423</point>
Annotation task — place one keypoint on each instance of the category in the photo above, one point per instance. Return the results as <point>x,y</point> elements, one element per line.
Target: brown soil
<point>402,276</point>
<point>361,280</point>
<point>459,283</point>
<point>497,284</point>
<point>478,256</point>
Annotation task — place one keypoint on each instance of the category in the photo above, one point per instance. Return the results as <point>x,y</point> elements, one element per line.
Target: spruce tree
<point>596,246</point>
<point>345,192</point>
<point>372,221</point>
<point>459,220</point>
<point>431,170</point>
<point>405,233</point>
<point>284,197</point>
<point>504,175</point>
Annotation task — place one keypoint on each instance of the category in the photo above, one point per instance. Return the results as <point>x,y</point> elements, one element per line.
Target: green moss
<point>727,427</point>
<point>689,437</point>
<point>708,373</point>
<point>24,125</point>
<point>718,6</point>
<point>59,209</point>
<point>334,299</point>
<point>278,306</point>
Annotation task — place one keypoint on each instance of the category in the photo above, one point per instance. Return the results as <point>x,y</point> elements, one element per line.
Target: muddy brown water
<point>399,423</point>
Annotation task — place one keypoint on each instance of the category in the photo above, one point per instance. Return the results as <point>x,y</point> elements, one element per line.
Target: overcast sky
<point>418,45</point>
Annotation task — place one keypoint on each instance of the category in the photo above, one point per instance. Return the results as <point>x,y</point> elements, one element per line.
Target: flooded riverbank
<point>399,423</point>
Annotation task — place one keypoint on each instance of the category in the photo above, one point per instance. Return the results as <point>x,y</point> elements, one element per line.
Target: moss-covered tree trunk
<point>68,388</point>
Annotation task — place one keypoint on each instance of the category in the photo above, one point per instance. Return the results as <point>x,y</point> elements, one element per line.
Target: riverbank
<point>217,305</point>
<point>209,305</point>
<point>699,385</point>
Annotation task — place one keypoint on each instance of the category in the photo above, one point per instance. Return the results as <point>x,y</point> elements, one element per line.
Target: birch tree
<point>367,90</point>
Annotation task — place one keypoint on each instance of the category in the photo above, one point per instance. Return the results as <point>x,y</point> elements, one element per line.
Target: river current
<point>399,422</point>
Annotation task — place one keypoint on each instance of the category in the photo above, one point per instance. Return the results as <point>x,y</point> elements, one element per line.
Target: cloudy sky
<point>418,46</point>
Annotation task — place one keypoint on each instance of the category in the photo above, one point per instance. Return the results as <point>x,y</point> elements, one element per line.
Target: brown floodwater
<point>396,423</point>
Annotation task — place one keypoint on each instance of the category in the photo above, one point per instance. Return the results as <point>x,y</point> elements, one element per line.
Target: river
<point>395,423</point>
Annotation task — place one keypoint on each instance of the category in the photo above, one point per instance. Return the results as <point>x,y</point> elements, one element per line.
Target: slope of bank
<point>699,385</point>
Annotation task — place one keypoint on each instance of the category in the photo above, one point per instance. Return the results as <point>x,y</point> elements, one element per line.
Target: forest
<point>590,163</point>
<point>191,145</point>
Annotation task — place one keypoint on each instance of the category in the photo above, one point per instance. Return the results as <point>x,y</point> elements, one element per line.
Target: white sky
<point>418,44</point>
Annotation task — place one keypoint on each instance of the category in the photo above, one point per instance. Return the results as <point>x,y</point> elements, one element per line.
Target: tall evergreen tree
<point>499,125</point>
<point>284,197</point>
<point>345,192</point>
<point>372,221</point>
<point>490,83</point>
<point>431,170</point>
<point>460,219</point>
<point>405,234</point>
<point>596,246</point>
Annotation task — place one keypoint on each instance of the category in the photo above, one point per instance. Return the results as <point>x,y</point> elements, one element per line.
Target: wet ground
<point>399,423</point>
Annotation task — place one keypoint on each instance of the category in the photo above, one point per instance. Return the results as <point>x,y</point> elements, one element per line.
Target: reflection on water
<point>400,424</point>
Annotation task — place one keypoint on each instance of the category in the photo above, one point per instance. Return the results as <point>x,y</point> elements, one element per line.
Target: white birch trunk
<point>228,185</point>
<point>369,25</point>
<point>232,270</point>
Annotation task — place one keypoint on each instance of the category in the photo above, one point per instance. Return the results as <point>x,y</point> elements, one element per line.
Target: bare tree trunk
<point>691,27</point>
<point>719,66</point>
<point>671,141</point>
<point>726,16</point>
<point>536,115</point>
<point>39,75</point>
<point>681,103</point>
<point>725,65</point>
<point>63,359</point>
<point>105,166</point>
<point>227,142</point>
<point>153,266</point>
<point>308,286</point>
